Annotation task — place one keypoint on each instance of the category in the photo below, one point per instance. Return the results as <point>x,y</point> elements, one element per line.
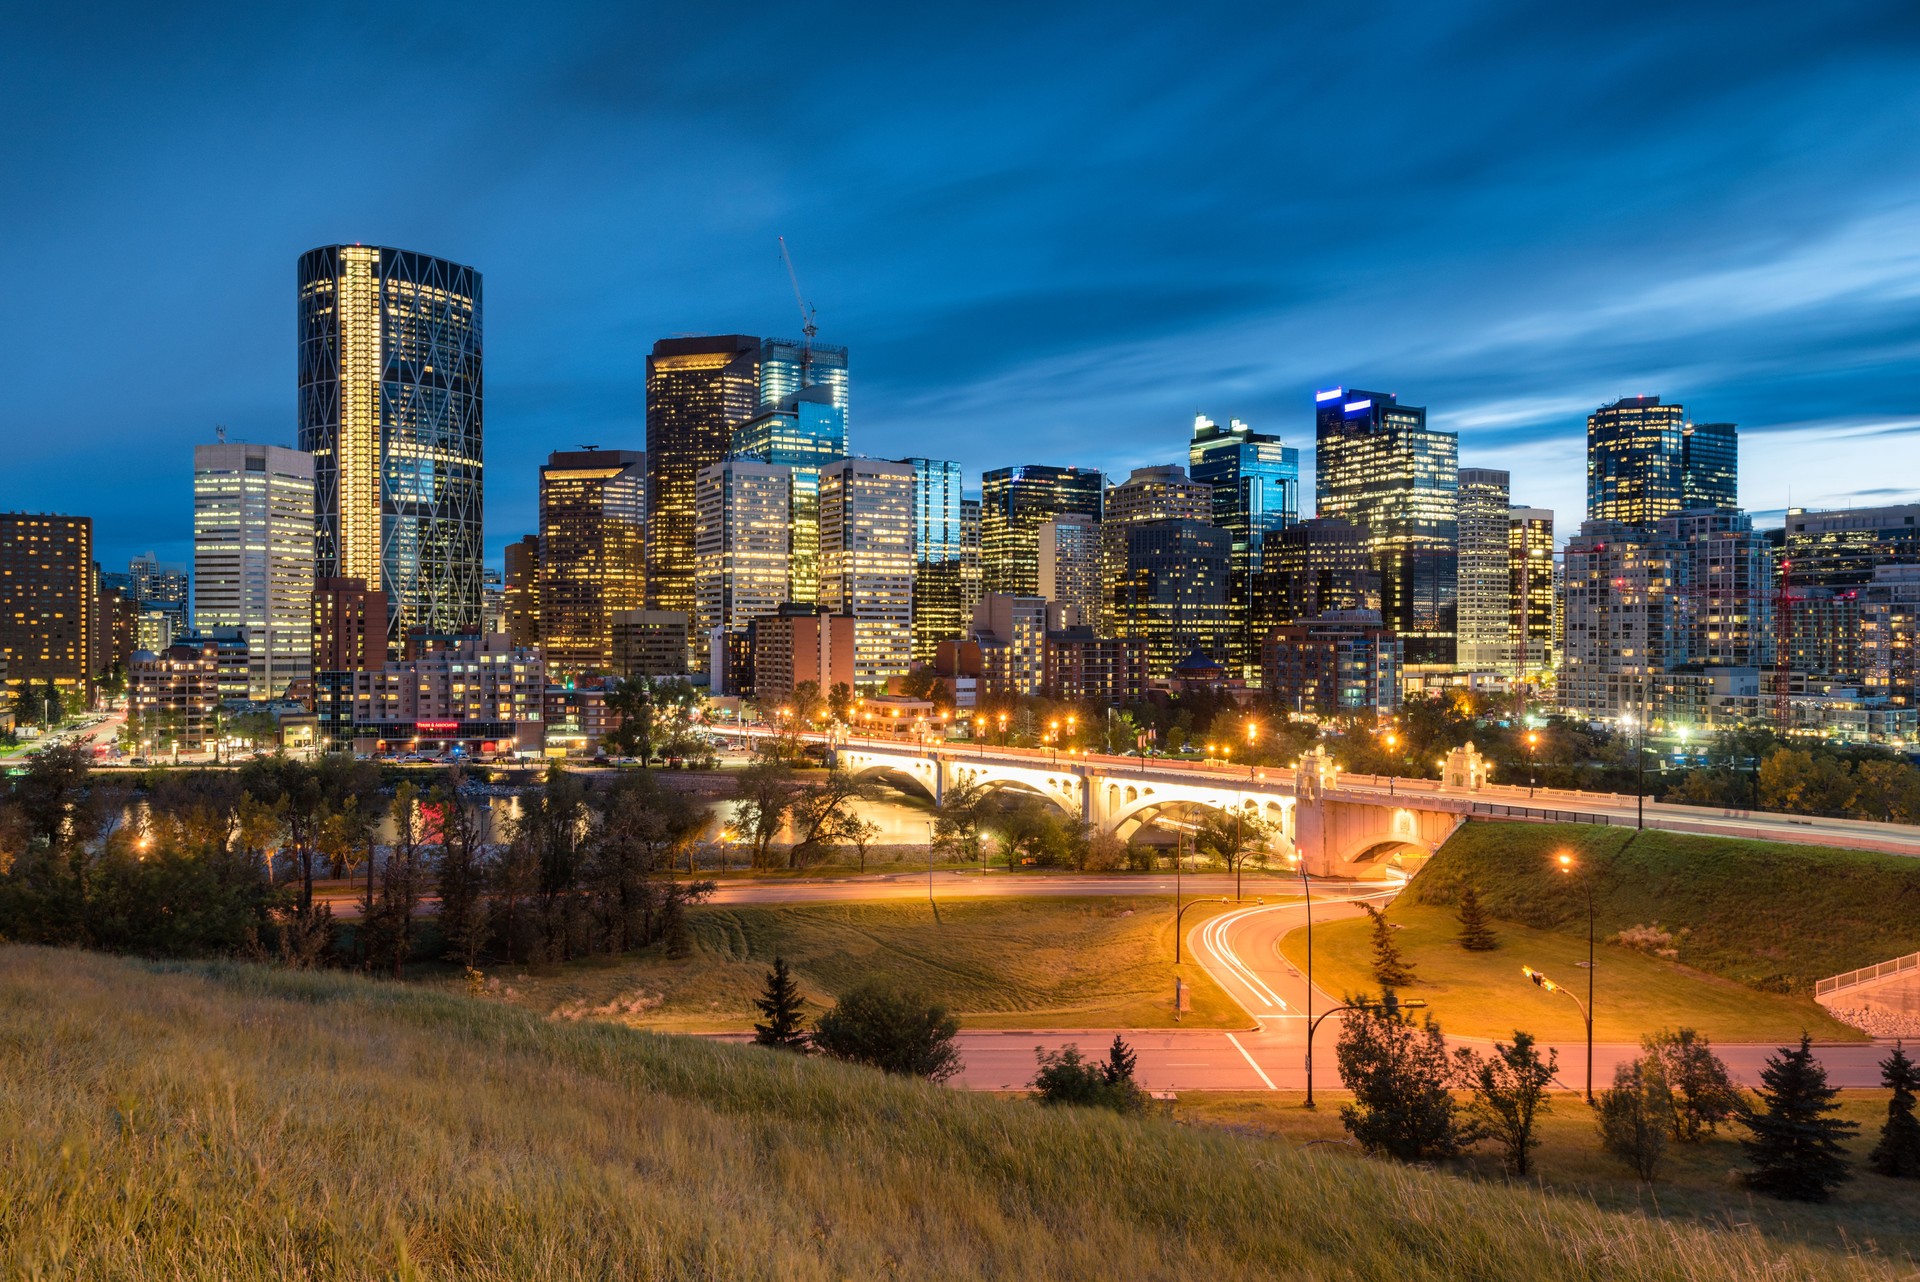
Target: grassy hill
<point>1768,915</point>
<point>236,1122</point>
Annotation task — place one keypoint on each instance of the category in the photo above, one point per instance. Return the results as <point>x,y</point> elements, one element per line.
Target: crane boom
<point>807,326</point>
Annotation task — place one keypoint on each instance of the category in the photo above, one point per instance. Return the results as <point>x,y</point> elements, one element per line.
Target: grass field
<point>1764,914</point>
<point>1869,1212</point>
<point>224,1121</point>
<point>998,963</point>
<point>1485,995</point>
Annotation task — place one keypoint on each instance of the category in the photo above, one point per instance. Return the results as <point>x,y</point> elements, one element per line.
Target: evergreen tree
<point>1121,1059</point>
<point>1898,1152</point>
<point>1475,935</point>
<point>781,1007</point>
<point>1796,1149</point>
<point>1390,969</point>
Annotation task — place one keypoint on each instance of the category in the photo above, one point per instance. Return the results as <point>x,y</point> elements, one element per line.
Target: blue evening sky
<point>1048,233</point>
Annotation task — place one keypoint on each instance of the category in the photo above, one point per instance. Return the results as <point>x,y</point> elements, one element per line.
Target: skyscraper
<point>521,585</point>
<point>802,432</point>
<point>866,559</point>
<point>973,584</point>
<point>698,391</point>
<point>47,606</point>
<point>390,408</point>
<point>1314,567</point>
<point>1485,579</point>
<point>593,531</point>
<point>1841,548</point>
<point>1162,493</point>
<point>1172,591</point>
<point>1256,490</point>
<point>1380,467</point>
<point>1070,566</point>
<point>253,547</point>
<point>1014,501</point>
<point>740,550</point>
<point>1635,460</point>
<point>1530,592</point>
<point>160,586</point>
<point>939,555</point>
<point>1710,466</point>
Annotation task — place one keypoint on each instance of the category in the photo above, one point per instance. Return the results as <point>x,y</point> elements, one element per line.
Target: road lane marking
<point>1250,1063</point>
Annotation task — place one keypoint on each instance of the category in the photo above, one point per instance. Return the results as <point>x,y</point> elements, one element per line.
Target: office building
<point>650,643</point>
<point>699,390</point>
<point>155,628</point>
<point>493,600</point>
<point>593,531</point>
<point>173,697</point>
<point>1530,593</point>
<point>1890,635</point>
<point>1256,490</point>
<point>803,433</point>
<point>1070,553</point>
<point>1014,503</point>
<point>1172,591</point>
<point>1645,462</point>
<point>866,561</point>
<point>116,631</point>
<point>160,585</point>
<point>468,695</point>
<point>348,624</point>
<point>1148,494</point>
<point>48,605</point>
<point>390,389</point>
<point>972,569</point>
<point>1011,632</point>
<point>520,590</point>
<point>940,609</point>
<point>740,529</point>
<point>801,643</point>
<point>1725,609</point>
<point>253,550</point>
<point>1842,548</point>
<point>1485,575</point>
<point>1380,467</point>
<point>1339,663</point>
<point>1710,466</point>
<point>1314,567</point>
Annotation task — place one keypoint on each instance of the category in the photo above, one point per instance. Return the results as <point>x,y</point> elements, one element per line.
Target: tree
<point>1400,1076</point>
<point>1796,780</point>
<point>1067,1077</point>
<point>821,811</point>
<point>1119,733</point>
<point>1633,1116</point>
<point>895,1032</point>
<point>1390,969</point>
<point>1699,1089</point>
<point>766,792</point>
<point>463,916</point>
<point>386,920</point>
<point>1796,1145</point>
<point>1231,837</point>
<point>1476,936</point>
<point>1887,791</point>
<point>1034,831</point>
<point>958,817</point>
<point>781,1007</point>
<point>840,701</point>
<point>1897,1154</point>
<point>860,834</point>
<point>1509,1092</point>
<point>632,701</point>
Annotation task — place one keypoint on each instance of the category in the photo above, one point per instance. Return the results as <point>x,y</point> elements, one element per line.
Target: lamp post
<point>1392,741</point>
<point>1180,910</point>
<point>1053,740</point>
<point>1567,868</point>
<point>980,733</point>
<point>1533,770</point>
<point>1253,735</point>
<point>1306,894</point>
<point>1313,1026</point>
<point>930,903</point>
<point>1003,730</point>
<point>1639,726</point>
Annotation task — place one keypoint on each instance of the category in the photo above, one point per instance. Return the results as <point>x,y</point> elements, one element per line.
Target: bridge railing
<point>1865,975</point>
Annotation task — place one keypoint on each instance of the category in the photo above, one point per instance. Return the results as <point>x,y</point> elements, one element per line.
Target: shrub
<point>1066,1077</point>
<point>895,1032</point>
<point>1400,1077</point>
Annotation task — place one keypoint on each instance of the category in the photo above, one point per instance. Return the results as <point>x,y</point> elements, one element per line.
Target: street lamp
<point>1053,740</point>
<point>1639,724</point>
<point>1253,735</point>
<point>1003,730</point>
<point>1568,868</point>
<point>1313,1026</point>
<point>1533,769</point>
<point>1392,741</point>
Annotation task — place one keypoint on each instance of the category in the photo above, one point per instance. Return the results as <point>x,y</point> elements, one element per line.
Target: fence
<point>1866,974</point>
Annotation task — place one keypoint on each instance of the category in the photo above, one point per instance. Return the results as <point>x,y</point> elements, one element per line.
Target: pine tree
<point>1390,969</point>
<point>1898,1152</point>
<point>1475,935</point>
<point>1120,1062</point>
<point>781,1007</point>
<point>1796,1149</point>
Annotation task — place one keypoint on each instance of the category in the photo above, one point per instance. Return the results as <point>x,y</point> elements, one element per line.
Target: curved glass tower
<point>390,394</point>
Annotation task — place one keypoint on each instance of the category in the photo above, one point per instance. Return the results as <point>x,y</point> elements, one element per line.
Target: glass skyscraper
<point>803,432</point>
<point>390,409</point>
<point>593,526</point>
<point>1634,460</point>
<point>940,606</point>
<point>1379,466</point>
<point>253,556</point>
<point>1485,580</point>
<point>1256,489</point>
<point>1710,465</point>
<point>1014,503</point>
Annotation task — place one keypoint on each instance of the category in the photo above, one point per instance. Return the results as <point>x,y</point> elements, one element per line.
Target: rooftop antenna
<point>807,326</point>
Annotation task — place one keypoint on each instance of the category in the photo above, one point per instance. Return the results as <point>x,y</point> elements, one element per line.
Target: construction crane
<point>807,326</point>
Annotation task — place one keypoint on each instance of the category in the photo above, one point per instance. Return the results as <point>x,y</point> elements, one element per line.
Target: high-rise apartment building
<point>866,561</point>
<point>1341,662</point>
<point>1070,566</point>
<point>740,528</point>
<point>1842,548</point>
<point>593,534</point>
<point>972,568</point>
<point>1530,593</point>
<point>521,590</point>
<point>390,399</point>
<point>253,548</point>
<point>1172,590</point>
<point>699,390</point>
<point>1256,490</point>
<point>940,610</point>
<point>1380,467</point>
<point>798,644</point>
<point>47,605</point>
<point>1163,493</point>
<point>803,432</point>
<point>160,586</point>
<point>1485,579</point>
<point>348,623</point>
<point>1014,503</point>
<point>1012,635</point>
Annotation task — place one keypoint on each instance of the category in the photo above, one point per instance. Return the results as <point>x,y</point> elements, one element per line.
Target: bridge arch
<point>1061,790</point>
<point>1129,803</point>
<point>899,780</point>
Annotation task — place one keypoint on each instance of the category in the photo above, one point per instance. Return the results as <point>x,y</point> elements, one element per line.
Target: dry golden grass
<point>224,1121</point>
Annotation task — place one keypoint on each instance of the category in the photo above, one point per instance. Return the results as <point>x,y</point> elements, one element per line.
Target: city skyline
<point>1767,284</point>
